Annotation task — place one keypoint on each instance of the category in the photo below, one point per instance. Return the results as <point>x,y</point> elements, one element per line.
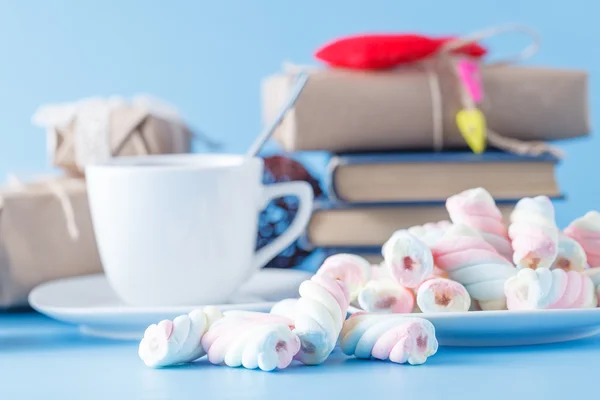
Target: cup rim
<point>181,161</point>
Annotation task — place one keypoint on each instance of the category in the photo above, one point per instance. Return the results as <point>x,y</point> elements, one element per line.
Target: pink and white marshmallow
<point>477,209</point>
<point>351,269</point>
<point>570,256</point>
<point>285,308</point>
<point>259,316</point>
<point>473,262</point>
<point>386,295</point>
<point>320,314</point>
<point>436,273</point>
<point>252,341</point>
<point>380,272</point>
<point>549,289</point>
<point>177,342</point>
<point>390,337</point>
<point>533,233</point>
<point>430,232</point>
<point>594,275</point>
<point>586,231</point>
<point>408,259</point>
<point>442,295</point>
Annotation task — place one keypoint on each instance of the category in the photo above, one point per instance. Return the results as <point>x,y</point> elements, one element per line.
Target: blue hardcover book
<point>410,177</point>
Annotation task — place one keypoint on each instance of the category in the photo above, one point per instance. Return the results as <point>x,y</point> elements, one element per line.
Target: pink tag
<point>468,71</point>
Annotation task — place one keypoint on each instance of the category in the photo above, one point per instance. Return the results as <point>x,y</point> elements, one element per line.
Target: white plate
<point>512,328</point>
<point>90,303</point>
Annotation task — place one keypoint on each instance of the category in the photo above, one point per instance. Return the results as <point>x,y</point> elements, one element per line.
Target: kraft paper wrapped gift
<point>342,110</point>
<point>96,129</point>
<point>45,234</point>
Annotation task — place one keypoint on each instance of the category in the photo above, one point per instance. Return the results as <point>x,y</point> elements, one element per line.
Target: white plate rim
<point>124,310</point>
<point>498,313</point>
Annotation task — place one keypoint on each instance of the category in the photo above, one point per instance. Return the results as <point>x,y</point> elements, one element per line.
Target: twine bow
<point>494,138</point>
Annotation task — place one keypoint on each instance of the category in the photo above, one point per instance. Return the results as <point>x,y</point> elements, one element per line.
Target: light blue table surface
<point>44,359</point>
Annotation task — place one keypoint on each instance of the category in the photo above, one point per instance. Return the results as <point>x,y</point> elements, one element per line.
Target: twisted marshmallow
<point>431,232</point>
<point>389,337</point>
<point>570,256</point>
<point>549,289</point>
<point>533,233</point>
<point>476,264</point>
<point>594,275</point>
<point>408,259</point>
<point>351,269</point>
<point>320,313</point>
<point>477,209</point>
<point>285,308</point>
<point>386,295</point>
<point>177,342</point>
<point>252,341</point>
<point>259,316</point>
<point>436,273</point>
<point>586,231</point>
<point>443,295</point>
<point>380,272</point>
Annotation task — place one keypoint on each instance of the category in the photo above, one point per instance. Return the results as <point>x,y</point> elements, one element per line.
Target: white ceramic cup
<point>181,229</point>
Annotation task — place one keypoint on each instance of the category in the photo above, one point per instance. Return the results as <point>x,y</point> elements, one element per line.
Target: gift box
<point>45,234</point>
<point>96,129</point>
<point>415,106</point>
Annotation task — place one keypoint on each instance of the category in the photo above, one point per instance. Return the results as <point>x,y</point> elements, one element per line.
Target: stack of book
<point>371,195</point>
<point>397,154</point>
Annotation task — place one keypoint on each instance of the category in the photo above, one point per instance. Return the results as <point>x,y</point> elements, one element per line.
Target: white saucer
<point>90,303</point>
<point>511,328</point>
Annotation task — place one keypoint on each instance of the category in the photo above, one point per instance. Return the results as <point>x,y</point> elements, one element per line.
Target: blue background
<point>208,57</point>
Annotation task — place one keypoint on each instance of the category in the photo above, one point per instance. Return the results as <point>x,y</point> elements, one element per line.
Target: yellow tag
<point>471,124</point>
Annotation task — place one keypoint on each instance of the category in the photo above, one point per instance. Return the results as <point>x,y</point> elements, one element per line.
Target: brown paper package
<point>347,110</point>
<point>133,131</point>
<point>35,245</point>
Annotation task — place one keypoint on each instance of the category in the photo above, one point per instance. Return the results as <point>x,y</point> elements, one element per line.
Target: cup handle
<point>304,192</point>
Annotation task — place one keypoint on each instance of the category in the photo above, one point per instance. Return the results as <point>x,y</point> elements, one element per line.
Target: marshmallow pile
<point>473,262</point>
<point>306,329</point>
<point>476,262</point>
